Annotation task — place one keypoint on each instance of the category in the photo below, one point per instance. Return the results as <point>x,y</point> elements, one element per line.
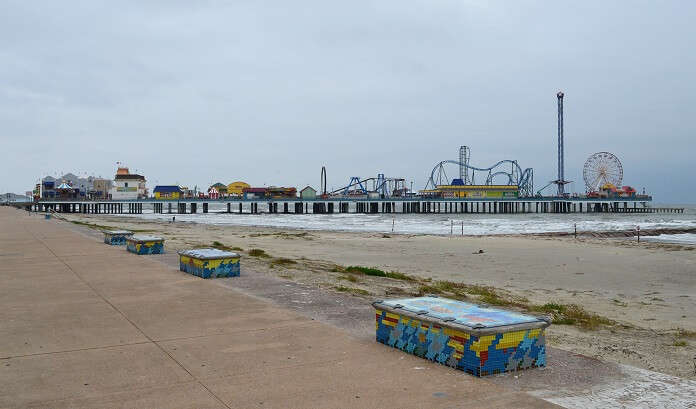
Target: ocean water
<point>686,238</point>
<point>443,224</point>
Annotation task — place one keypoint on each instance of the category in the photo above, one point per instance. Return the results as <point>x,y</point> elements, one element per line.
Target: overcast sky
<point>267,92</point>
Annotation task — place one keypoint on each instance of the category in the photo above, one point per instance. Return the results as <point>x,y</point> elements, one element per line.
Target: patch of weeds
<point>337,269</point>
<point>351,290</point>
<point>375,272</point>
<point>258,253</point>
<point>220,246</point>
<point>572,314</point>
<point>368,271</point>
<point>92,225</point>
<point>282,261</point>
<point>679,343</point>
<point>348,277</point>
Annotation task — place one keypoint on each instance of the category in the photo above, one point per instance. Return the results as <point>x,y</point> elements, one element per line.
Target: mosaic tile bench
<point>116,237</point>
<point>477,339</point>
<point>209,263</point>
<point>145,244</point>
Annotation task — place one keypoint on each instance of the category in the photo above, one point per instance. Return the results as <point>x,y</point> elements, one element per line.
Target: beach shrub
<point>220,246</point>
<point>375,272</point>
<point>368,271</point>
<point>258,253</point>
<point>572,314</point>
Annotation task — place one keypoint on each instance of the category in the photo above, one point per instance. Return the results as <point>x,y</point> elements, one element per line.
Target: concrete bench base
<point>116,237</point>
<point>436,334</point>
<point>145,245</point>
<point>209,263</point>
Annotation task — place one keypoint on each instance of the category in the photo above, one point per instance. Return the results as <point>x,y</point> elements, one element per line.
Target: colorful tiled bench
<point>477,339</point>
<point>209,263</point>
<point>116,237</point>
<point>145,244</point>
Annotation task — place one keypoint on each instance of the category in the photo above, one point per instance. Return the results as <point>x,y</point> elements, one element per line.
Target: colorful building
<point>474,191</point>
<point>275,192</point>
<point>254,192</point>
<point>237,188</point>
<point>82,187</point>
<point>213,193</point>
<point>609,190</point>
<point>168,192</point>
<point>221,188</point>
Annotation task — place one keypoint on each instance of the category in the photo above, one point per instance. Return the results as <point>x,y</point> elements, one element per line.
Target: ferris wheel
<point>602,168</point>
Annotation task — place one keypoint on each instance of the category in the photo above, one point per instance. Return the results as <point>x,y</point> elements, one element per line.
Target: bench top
<point>121,232</point>
<point>464,315</point>
<point>143,238</point>
<point>208,254</point>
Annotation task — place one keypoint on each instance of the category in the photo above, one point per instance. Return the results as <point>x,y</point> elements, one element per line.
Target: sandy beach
<point>639,298</point>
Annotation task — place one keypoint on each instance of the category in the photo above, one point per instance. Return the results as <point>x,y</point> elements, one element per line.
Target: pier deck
<point>349,205</point>
<point>86,325</point>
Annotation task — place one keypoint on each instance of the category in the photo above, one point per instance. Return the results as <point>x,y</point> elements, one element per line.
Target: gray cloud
<point>268,92</point>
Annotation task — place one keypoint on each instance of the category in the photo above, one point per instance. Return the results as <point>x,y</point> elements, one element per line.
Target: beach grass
<point>375,272</point>
<point>572,314</point>
<point>351,290</point>
<point>216,244</point>
<point>258,253</point>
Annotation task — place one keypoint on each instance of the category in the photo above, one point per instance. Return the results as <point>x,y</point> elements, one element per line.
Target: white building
<point>128,186</point>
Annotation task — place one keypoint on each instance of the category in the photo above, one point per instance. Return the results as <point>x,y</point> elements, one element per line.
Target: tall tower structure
<point>464,163</point>
<point>561,177</point>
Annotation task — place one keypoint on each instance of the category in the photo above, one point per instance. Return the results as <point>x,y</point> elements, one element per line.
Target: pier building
<point>128,186</point>
<point>473,191</point>
<point>237,188</point>
<point>167,192</point>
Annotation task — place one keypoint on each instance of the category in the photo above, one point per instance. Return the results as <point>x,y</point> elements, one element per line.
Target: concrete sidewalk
<point>86,325</point>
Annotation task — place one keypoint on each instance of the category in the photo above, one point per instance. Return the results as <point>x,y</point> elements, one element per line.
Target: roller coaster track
<point>516,176</point>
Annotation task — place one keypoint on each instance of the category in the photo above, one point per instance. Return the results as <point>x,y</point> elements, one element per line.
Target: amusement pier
<point>502,188</point>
